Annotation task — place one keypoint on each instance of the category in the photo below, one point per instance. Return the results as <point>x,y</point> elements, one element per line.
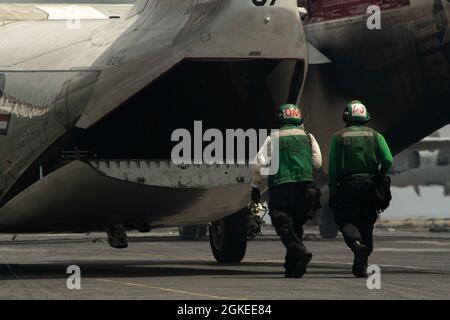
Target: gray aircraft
<point>426,163</point>
<point>400,71</point>
<point>90,95</point>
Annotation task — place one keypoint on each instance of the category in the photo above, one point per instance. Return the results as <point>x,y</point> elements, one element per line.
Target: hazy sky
<point>432,203</point>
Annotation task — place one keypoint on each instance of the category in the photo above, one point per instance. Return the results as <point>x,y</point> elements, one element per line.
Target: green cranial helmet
<point>356,112</point>
<point>290,114</point>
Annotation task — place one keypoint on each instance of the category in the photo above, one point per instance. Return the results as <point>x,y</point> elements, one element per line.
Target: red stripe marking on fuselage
<point>4,117</point>
<point>325,10</point>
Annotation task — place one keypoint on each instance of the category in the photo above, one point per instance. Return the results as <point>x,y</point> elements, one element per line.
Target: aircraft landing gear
<point>327,227</point>
<point>117,236</point>
<point>193,232</point>
<point>228,238</point>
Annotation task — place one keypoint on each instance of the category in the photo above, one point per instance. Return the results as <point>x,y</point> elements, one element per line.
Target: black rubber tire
<point>328,228</point>
<point>228,238</point>
<point>188,232</point>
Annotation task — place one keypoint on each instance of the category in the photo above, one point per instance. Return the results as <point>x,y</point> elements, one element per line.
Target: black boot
<point>360,261</point>
<point>297,268</point>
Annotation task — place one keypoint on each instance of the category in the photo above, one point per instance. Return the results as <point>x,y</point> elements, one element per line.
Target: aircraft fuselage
<point>401,71</point>
<point>115,88</point>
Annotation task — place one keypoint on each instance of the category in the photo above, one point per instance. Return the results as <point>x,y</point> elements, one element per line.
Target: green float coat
<point>295,157</point>
<point>357,152</point>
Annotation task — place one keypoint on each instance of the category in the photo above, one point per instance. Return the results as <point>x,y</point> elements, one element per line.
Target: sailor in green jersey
<point>357,155</point>
<point>299,157</point>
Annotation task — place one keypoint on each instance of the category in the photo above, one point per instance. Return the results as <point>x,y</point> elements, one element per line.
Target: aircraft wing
<point>431,144</point>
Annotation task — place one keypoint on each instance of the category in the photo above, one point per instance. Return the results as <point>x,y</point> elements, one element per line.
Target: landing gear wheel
<point>228,238</point>
<point>328,228</point>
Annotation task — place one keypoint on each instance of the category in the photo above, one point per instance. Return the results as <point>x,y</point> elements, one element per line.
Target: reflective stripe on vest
<point>292,132</point>
<point>357,134</point>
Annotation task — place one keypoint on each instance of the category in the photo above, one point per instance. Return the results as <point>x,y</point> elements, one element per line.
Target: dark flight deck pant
<point>354,213</point>
<point>286,209</point>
